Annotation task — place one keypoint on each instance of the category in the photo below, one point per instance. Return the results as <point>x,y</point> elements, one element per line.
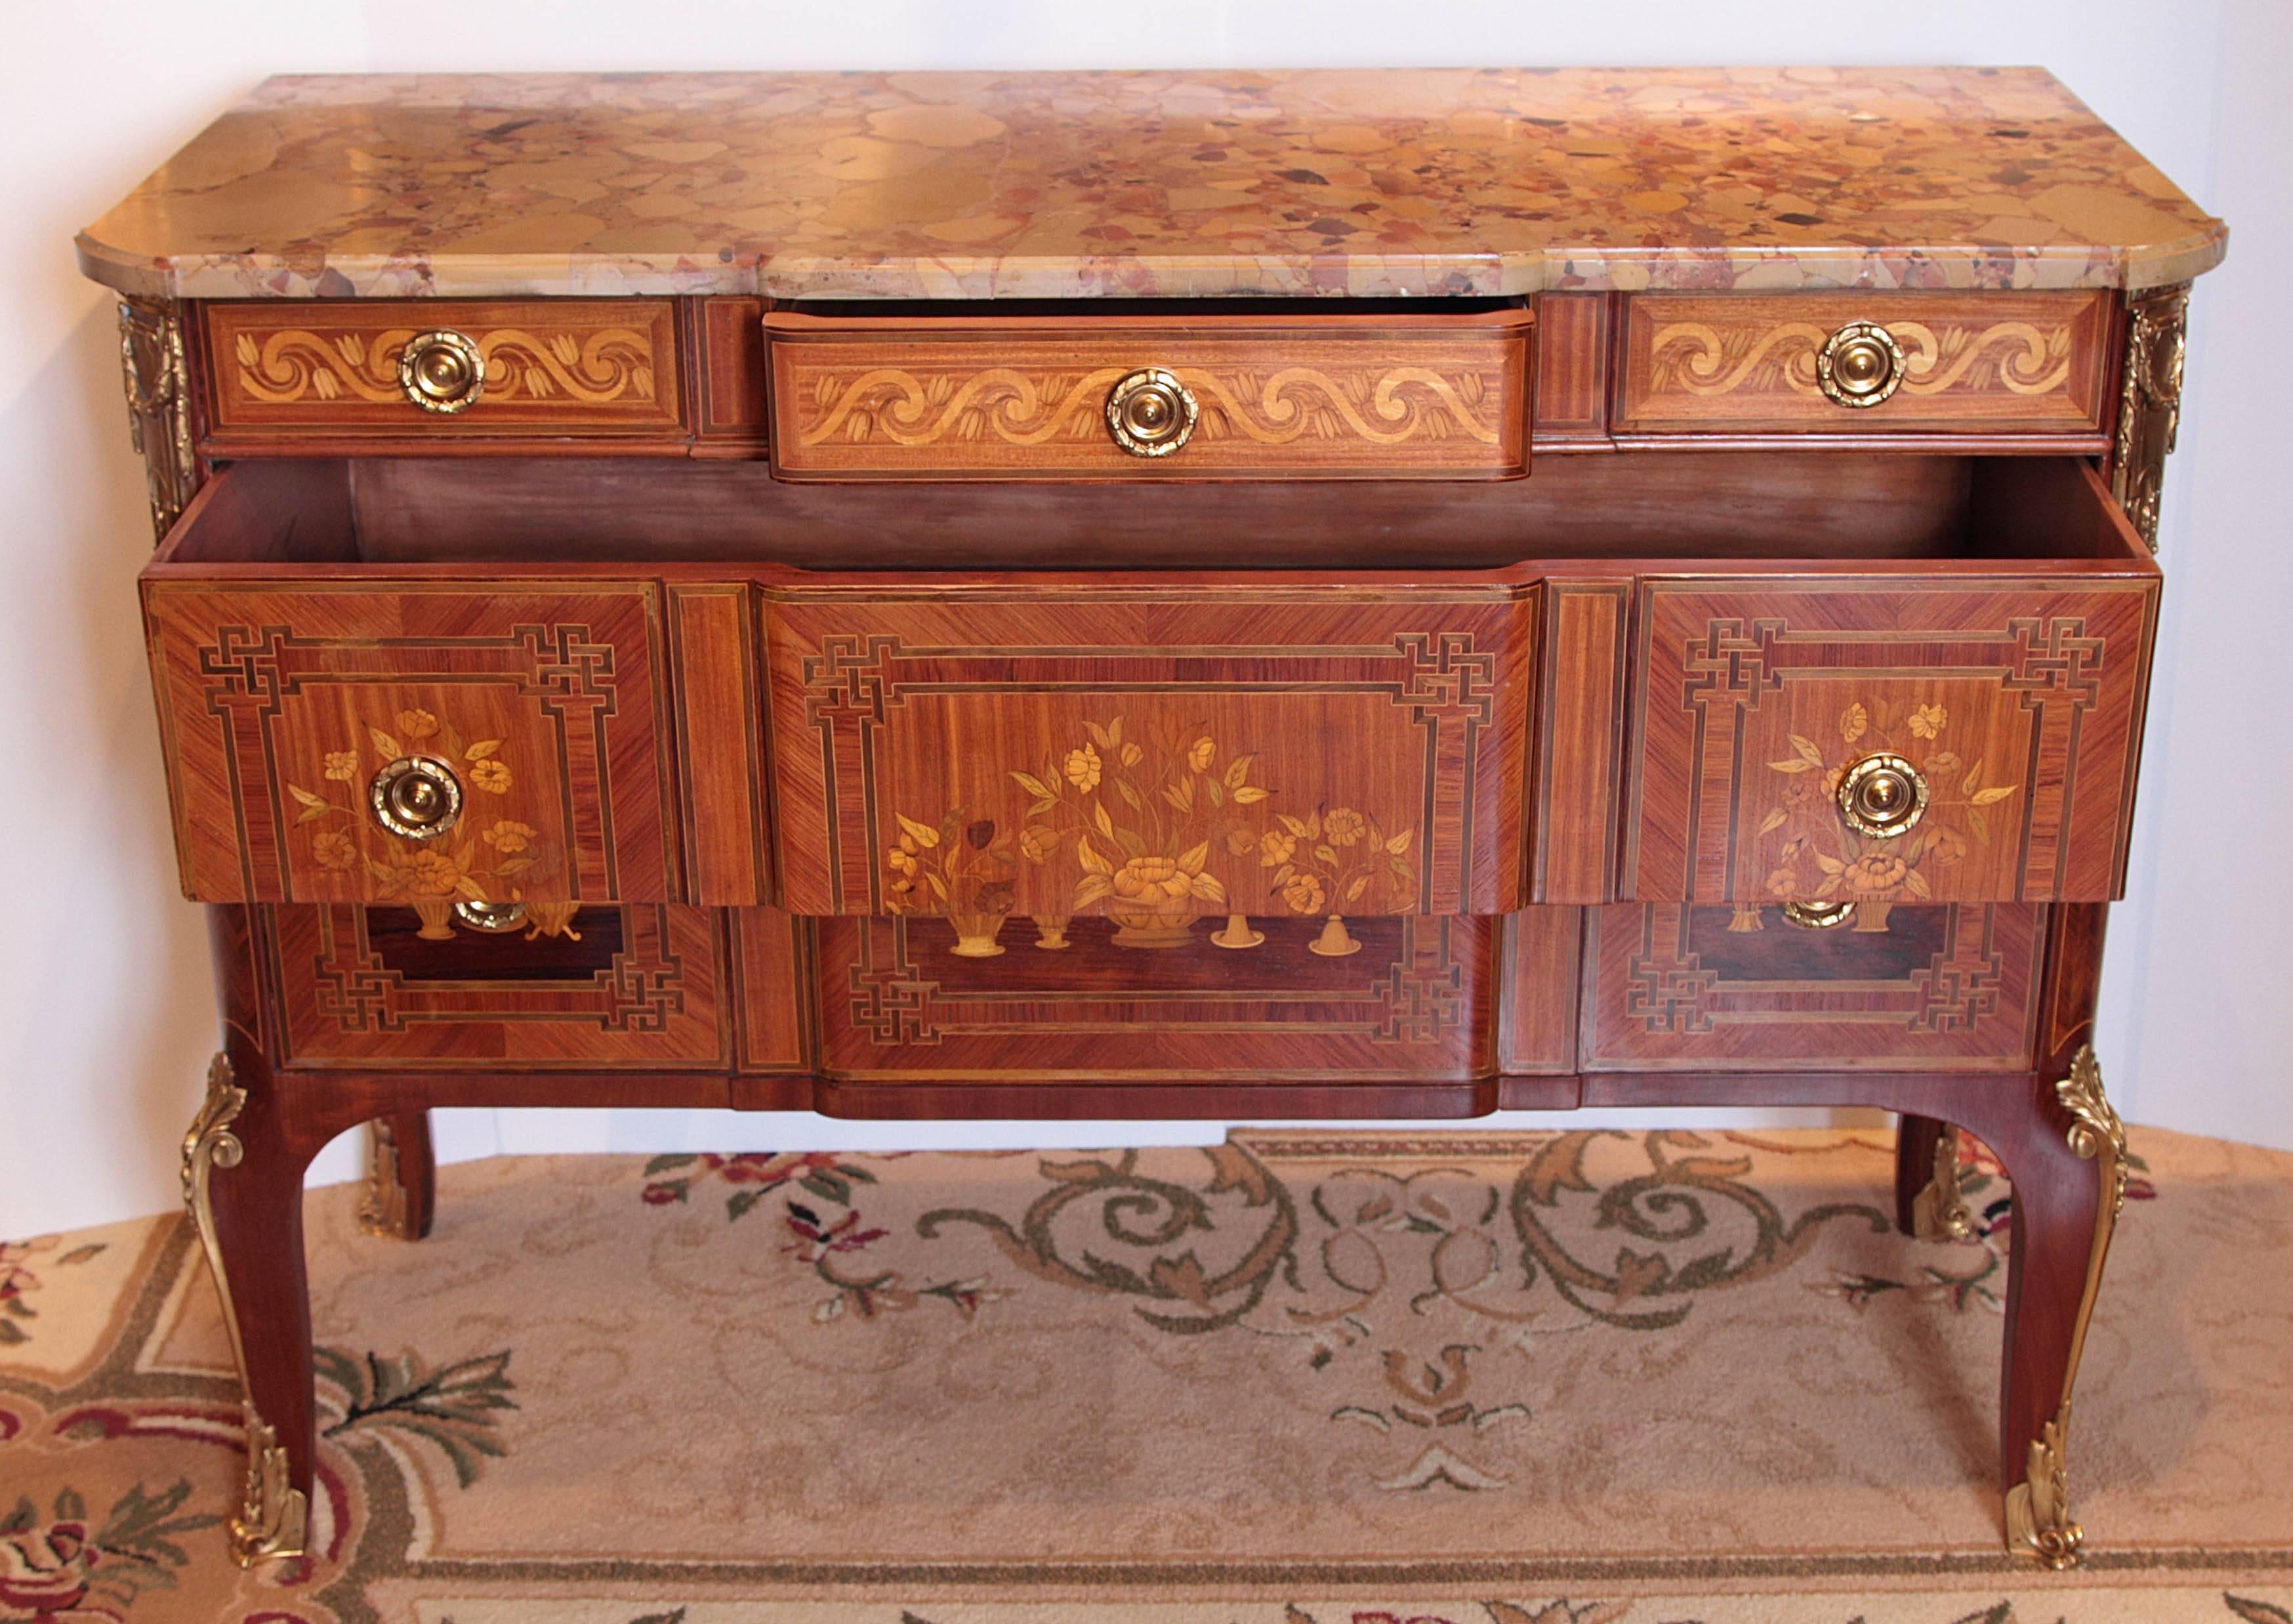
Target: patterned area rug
<point>1297,1378</point>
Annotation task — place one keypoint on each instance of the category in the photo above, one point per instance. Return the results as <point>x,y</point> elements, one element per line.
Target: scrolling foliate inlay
<point>297,365</point>
<point>2149,403</point>
<point>158,404</point>
<point>1386,406</point>
<point>1699,358</point>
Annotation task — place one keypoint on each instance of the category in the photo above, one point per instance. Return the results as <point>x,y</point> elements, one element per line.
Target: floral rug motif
<point>1574,1378</point>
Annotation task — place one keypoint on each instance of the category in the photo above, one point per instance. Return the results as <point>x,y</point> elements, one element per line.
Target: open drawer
<point>419,738</point>
<point>1629,678</point>
<point>1967,732</point>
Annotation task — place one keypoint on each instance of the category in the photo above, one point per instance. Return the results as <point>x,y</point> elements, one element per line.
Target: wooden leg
<point>243,1167</point>
<point>401,1178</point>
<point>1927,1201</point>
<point>2065,1153</point>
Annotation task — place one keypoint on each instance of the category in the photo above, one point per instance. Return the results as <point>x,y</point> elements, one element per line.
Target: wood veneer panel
<point>285,371</point>
<point>771,980</point>
<point>1281,397</point>
<point>1580,739</point>
<point>720,742</point>
<point>1705,989</point>
<point>1416,1002</point>
<point>731,336</point>
<point>2023,363</point>
<point>1536,1032</point>
<point>279,701</point>
<point>1205,748</point>
<point>1572,370</point>
<point>1830,505</point>
<point>621,988</point>
<point>2019,701</point>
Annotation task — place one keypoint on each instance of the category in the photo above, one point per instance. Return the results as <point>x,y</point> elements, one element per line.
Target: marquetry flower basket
<point>1154,922</point>
<point>976,934</point>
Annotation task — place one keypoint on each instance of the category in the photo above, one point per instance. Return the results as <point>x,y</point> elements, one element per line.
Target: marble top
<point>1066,185</point>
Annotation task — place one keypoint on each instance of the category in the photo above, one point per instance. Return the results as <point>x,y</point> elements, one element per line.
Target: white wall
<point>105,1018</point>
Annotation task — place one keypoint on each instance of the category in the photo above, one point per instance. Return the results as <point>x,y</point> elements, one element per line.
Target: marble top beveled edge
<point>1464,181</point>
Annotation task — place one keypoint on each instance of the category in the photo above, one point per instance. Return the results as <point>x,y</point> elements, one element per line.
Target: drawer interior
<point>1676,506</point>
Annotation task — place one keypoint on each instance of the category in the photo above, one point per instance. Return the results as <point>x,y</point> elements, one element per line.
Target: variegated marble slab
<point>1063,185</point>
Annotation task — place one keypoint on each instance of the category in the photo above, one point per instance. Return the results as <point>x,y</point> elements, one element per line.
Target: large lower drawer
<point>1864,740</point>
<point>1152,752</point>
<point>1273,999</point>
<point>1742,988</point>
<point>626,692</point>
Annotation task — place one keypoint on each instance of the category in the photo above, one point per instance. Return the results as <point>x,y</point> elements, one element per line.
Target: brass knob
<point>415,797</point>
<point>1881,796</point>
<point>1859,365</point>
<point>493,918</point>
<point>1818,915</point>
<point>441,372</point>
<point>1150,412</point>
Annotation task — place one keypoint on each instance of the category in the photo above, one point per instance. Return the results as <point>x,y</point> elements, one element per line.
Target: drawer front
<point>1961,363</point>
<point>287,370</point>
<point>1710,989</point>
<point>1061,1000</point>
<point>611,987</point>
<point>1299,398</point>
<point>2016,706</point>
<point>537,705</point>
<point>1153,754</point>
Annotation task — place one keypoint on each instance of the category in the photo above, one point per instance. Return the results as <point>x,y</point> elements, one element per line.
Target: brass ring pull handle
<point>1150,412</point>
<point>417,798</point>
<point>1818,915</point>
<point>1883,796</point>
<point>493,918</point>
<point>441,370</point>
<point>1859,365</point>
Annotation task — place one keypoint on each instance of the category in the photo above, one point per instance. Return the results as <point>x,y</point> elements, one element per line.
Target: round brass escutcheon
<point>1881,796</point>
<point>1859,365</point>
<point>415,797</point>
<point>493,918</point>
<point>441,370</point>
<point>1150,412</point>
<point>1819,915</point>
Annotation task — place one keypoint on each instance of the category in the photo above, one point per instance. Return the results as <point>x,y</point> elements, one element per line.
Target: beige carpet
<point>1362,1378</point>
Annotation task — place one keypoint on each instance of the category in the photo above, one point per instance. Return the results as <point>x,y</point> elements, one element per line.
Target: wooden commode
<point>1222,594</point>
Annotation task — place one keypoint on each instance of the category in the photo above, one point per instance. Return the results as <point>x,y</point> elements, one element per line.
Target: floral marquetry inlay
<point>1817,854</point>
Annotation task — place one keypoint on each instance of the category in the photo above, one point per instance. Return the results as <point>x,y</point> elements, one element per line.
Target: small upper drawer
<point>1434,396</point>
<point>1996,363</point>
<point>292,371</point>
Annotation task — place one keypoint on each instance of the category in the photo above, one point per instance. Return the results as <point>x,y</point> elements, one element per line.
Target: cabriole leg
<point>1927,1200</point>
<point>243,1185</point>
<point>401,1178</point>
